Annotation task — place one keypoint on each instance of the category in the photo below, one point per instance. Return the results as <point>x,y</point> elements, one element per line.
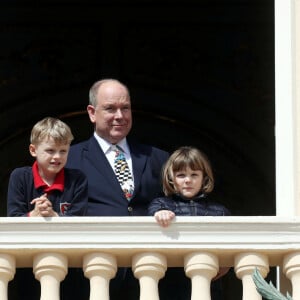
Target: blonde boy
<point>48,189</point>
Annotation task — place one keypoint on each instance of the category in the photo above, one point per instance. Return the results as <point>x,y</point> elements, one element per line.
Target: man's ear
<point>32,150</point>
<point>91,112</point>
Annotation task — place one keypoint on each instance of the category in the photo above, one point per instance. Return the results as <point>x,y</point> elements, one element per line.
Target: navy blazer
<point>106,197</point>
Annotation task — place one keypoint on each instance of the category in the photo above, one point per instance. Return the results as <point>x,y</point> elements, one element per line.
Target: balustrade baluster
<point>7,272</point>
<point>50,269</point>
<point>201,267</point>
<point>291,267</point>
<point>149,268</point>
<point>245,264</point>
<point>99,268</point>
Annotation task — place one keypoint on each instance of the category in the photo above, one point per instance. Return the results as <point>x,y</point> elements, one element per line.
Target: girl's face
<point>188,182</point>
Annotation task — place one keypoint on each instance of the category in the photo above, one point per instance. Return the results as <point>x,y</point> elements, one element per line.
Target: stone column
<point>244,266</point>
<point>7,272</point>
<point>149,267</point>
<point>296,61</point>
<point>291,268</point>
<point>201,267</point>
<point>50,269</point>
<point>99,268</point>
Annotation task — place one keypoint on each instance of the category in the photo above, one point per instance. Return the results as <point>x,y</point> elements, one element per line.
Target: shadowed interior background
<point>200,72</point>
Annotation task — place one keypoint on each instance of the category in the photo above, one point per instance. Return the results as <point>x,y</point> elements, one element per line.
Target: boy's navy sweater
<point>72,201</point>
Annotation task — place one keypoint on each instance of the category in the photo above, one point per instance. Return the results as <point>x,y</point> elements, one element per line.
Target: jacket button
<point>130,208</point>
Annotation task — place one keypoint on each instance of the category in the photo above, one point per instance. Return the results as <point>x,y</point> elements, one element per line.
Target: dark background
<point>200,72</point>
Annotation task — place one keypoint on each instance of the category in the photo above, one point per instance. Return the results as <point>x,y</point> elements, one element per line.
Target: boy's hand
<point>164,217</point>
<point>42,207</point>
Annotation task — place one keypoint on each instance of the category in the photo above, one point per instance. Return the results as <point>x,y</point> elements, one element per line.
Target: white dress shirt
<point>110,154</point>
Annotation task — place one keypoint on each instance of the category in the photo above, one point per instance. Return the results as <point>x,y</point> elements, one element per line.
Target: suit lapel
<point>139,159</point>
<point>98,160</point>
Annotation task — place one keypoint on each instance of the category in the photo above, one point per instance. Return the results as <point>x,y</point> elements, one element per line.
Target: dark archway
<point>200,72</point>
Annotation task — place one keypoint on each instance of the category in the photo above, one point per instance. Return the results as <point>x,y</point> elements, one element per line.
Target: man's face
<point>112,115</point>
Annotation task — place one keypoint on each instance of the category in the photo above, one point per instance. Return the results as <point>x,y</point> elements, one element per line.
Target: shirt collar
<point>106,146</point>
<point>124,146</point>
<point>58,183</point>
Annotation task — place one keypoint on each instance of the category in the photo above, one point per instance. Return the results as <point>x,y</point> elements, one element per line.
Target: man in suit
<point>109,110</point>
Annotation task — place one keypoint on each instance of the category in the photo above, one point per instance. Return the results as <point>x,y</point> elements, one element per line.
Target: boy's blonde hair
<point>181,159</point>
<point>51,128</point>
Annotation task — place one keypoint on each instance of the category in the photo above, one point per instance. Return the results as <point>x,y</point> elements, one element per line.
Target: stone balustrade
<point>99,245</point>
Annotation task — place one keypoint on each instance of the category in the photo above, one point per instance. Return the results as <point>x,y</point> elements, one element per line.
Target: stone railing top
<point>125,236</point>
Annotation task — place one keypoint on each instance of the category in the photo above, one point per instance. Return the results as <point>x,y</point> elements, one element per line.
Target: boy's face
<point>50,156</point>
<point>188,182</point>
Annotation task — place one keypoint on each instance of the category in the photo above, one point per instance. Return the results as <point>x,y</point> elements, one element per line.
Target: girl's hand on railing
<point>164,217</point>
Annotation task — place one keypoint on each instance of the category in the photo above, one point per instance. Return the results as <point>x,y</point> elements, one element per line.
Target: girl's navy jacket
<point>197,206</point>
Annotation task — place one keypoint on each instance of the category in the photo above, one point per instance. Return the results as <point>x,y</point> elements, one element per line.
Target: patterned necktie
<point>123,172</point>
